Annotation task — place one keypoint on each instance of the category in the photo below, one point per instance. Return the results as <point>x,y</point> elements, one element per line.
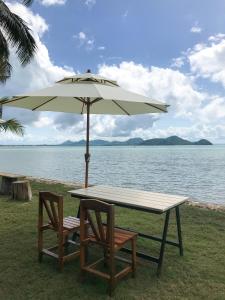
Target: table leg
<point>75,235</point>
<point>163,243</point>
<point>179,231</point>
<point>78,212</point>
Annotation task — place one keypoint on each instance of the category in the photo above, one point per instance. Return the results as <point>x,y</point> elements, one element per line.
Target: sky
<point>173,51</point>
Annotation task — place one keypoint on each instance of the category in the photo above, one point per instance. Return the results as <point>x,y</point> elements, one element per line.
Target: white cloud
<point>193,132</point>
<point>208,60</point>
<point>81,36</point>
<point>214,111</point>
<point>178,62</point>
<point>52,2</point>
<point>217,37</point>
<point>90,44</point>
<point>43,122</point>
<point>203,111</point>
<point>196,29</point>
<point>89,3</point>
<point>167,85</point>
<point>84,41</point>
<point>101,48</point>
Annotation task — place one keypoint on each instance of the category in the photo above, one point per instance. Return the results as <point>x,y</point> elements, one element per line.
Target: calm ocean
<point>195,171</point>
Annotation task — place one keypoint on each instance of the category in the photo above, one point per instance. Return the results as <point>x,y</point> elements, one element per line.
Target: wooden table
<point>156,203</point>
<point>7,180</point>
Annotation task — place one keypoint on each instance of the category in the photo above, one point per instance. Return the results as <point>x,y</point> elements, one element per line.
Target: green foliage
<point>12,125</point>
<point>15,32</point>
<point>198,275</point>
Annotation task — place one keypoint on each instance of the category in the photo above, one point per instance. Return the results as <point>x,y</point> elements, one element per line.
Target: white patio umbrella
<point>87,94</point>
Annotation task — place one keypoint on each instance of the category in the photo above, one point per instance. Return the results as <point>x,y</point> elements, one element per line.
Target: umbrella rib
<point>13,100</point>
<point>79,99</point>
<point>44,103</point>
<point>61,80</point>
<point>160,109</point>
<point>111,82</point>
<point>124,110</point>
<point>96,100</point>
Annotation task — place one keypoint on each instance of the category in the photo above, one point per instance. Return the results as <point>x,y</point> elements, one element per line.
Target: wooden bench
<point>7,180</point>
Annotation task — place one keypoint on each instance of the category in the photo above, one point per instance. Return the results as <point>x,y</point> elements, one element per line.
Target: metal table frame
<point>163,240</point>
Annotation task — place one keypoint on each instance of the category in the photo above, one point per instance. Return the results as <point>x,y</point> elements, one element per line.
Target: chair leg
<point>106,257</point>
<point>61,251</point>
<point>40,245</point>
<point>66,244</point>
<point>112,273</point>
<point>134,256</point>
<point>83,257</point>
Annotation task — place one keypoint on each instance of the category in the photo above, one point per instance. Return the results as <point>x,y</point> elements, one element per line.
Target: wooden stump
<point>6,182</point>
<point>21,190</point>
<point>6,185</point>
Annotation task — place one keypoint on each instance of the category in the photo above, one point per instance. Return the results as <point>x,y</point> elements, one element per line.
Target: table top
<point>131,198</point>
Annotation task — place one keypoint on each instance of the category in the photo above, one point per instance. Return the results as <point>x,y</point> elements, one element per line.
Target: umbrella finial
<point>88,71</point>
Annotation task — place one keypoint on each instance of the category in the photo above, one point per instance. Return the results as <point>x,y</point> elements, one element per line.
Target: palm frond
<point>5,70</point>
<point>27,2</point>
<point>12,125</point>
<point>5,67</point>
<point>4,49</point>
<point>18,34</point>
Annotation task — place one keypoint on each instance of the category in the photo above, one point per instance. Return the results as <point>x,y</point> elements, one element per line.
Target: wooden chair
<point>109,238</point>
<point>53,205</point>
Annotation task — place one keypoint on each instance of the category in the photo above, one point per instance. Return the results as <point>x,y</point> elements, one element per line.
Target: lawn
<point>200,274</point>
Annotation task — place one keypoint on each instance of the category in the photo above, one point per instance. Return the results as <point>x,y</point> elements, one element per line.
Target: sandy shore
<point>217,207</point>
<point>76,185</point>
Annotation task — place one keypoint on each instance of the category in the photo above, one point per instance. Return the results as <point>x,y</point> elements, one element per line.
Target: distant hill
<point>170,141</point>
<point>134,141</point>
<point>174,140</point>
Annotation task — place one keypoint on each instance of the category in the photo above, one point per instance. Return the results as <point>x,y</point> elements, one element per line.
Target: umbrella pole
<point>87,154</point>
<point>0,110</point>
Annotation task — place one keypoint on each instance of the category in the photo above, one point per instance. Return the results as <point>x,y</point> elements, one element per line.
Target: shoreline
<point>206,205</point>
<point>194,203</point>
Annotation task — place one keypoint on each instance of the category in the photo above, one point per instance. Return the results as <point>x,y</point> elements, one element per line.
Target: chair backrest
<point>92,210</point>
<point>53,205</point>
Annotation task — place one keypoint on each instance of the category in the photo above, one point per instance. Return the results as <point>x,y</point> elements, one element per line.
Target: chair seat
<point>121,236</point>
<point>70,223</point>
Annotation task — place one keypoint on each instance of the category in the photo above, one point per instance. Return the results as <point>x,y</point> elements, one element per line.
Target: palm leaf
<point>17,33</point>
<point>4,49</point>
<point>5,70</point>
<point>27,2</point>
<point>12,125</point>
<point>5,67</point>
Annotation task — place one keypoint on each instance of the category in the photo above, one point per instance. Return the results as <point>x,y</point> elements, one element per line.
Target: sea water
<point>194,171</point>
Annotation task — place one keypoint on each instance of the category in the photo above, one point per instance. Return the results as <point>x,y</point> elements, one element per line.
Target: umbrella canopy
<point>84,94</point>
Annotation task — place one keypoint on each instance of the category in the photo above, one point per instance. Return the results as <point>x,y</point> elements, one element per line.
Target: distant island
<point>170,141</point>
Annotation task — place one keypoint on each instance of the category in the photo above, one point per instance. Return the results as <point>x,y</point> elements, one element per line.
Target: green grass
<point>200,274</point>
